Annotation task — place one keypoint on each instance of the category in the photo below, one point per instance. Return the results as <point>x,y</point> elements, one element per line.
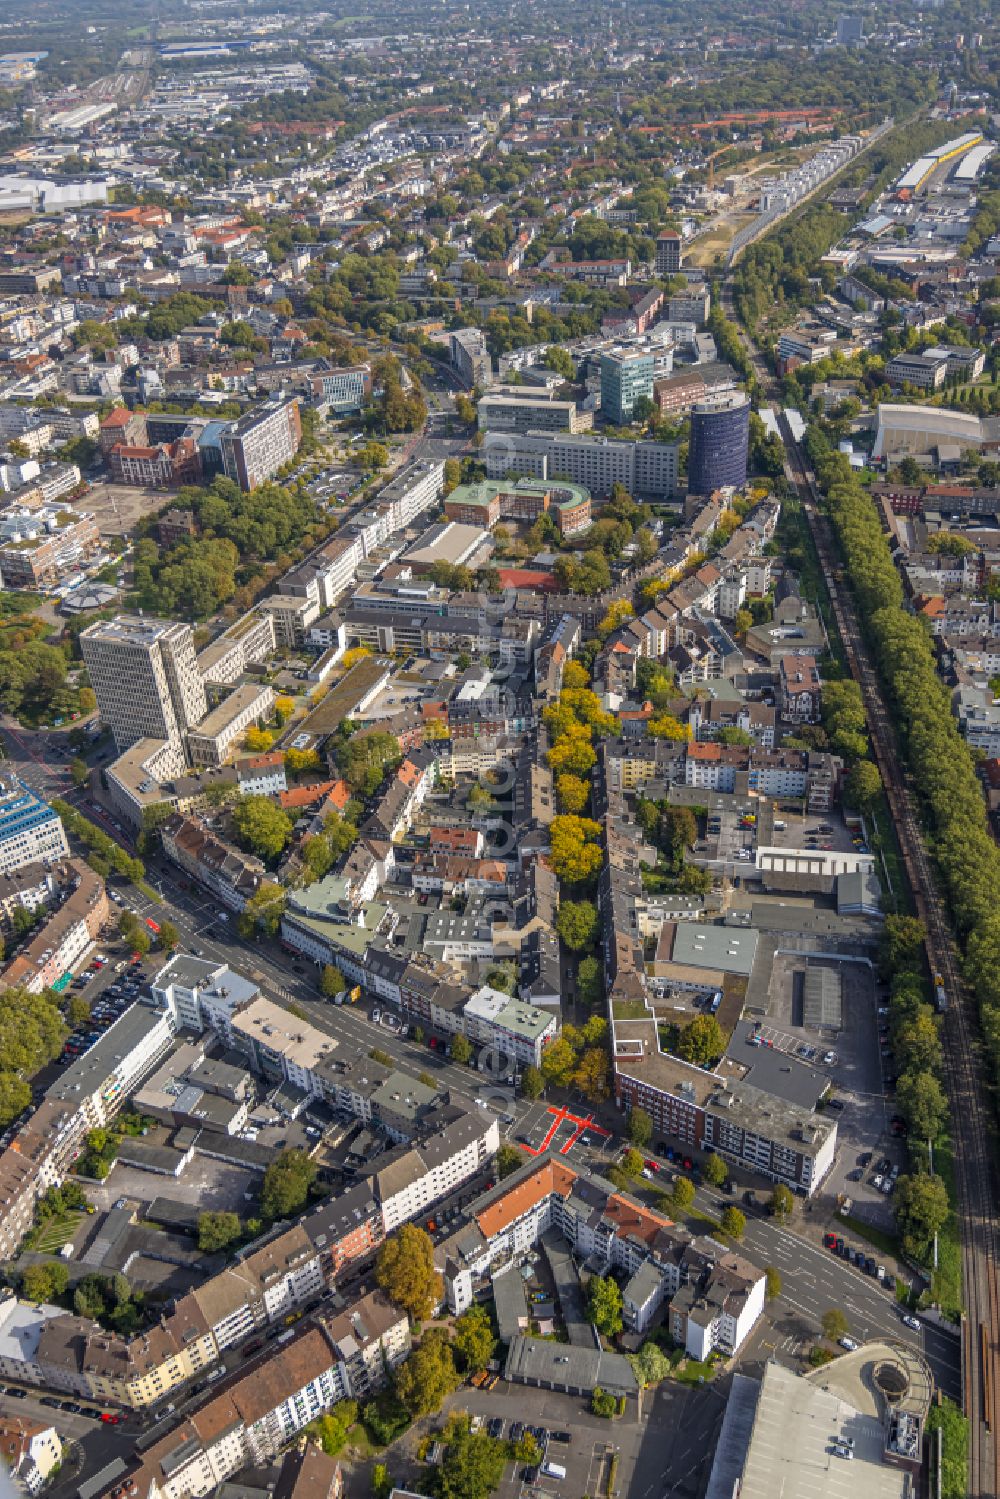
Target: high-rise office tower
<point>668,253</point>
<point>626,376</point>
<point>146,678</point>
<point>720,435</point>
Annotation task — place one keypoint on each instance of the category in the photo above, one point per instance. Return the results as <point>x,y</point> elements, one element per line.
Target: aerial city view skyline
<point>499,750</point>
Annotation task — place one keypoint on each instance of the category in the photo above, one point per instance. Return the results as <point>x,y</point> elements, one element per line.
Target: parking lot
<point>676,1432</point>
<point>209,1184</point>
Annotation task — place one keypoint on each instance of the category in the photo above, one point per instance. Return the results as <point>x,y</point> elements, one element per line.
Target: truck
<point>552,1470</point>
<point>940,994</point>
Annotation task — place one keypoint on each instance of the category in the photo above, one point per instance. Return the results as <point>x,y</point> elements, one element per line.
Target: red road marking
<point>560,1115</point>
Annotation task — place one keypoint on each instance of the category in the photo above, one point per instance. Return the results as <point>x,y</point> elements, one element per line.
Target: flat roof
<point>791,1446</point>
<point>701,945</point>
<point>566,1366</point>
<point>82,1077</point>
<point>342,700</point>
<point>774,1072</point>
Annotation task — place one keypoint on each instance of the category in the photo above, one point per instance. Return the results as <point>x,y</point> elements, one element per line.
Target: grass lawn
<point>886,844</point>
<point>876,1237</point>
<point>55,1232</point>
<point>694,1372</point>
<point>629,1009</point>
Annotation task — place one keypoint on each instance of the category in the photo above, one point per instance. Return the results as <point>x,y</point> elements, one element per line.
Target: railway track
<point>964,1075</point>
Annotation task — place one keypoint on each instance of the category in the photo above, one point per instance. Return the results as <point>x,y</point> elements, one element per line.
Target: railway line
<point>966,1083</point>
<point>965,1078</point>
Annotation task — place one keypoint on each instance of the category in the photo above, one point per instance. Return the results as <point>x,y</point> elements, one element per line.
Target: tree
<point>666,726</point>
<point>715,1171</point>
<point>682,1195</point>
<point>428,1376</point>
<point>43,1283</point>
<point>733,1222</point>
<point>577,924</point>
<point>781,1203</point>
<point>286,1184</point>
<point>77,1010</point>
<point>461,1049</point>
<point>79,772</point>
<point>863,786</point>
<point>532,1081</point>
<point>575,848</point>
<point>921,1211</point>
<point>473,1339</point>
<point>381,1481</point>
<point>558,1063</point>
<point>217,1230</point>
<point>922,1103</point>
<point>834,1324</point>
<point>405,1271</point>
<point>167,937</point>
<point>592,1073</point>
<point>261,827</point>
<point>331,981</point>
<point>640,1128</point>
<point>573,792</point>
<point>772,1282</point>
<point>15,1096</point>
<point>472,1467</point>
<point>650,1365</point>
<point>702,1042</point>
<point>603,1403</point>
<point>258,741</point>
<point>479,800</point>
<point>509,1159</point>
<point>604,1304</point>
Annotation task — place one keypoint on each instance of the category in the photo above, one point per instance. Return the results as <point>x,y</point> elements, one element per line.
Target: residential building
<point>31,1451</point>
<point>471,357</point>
<point>261,442</point>
<point>38,545</point>
<point>30,831</point>
<point>67,935</point>
<point>212,742</point>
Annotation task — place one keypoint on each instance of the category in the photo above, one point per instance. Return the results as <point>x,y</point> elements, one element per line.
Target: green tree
<point>954,1426</point>
<point>603,1403</point>
<point>472,1467</point>
<point>331,981</point>
<point>604,1304</point>
<point>650,1365</point>
<point>772,1282</point>
<point>834,1324</point>
<point>640,1127</point>
<point>682,1195</point>
<point>558,1062</point>
<point>167,937</point>
<point>532,1082</point>
<point>217,1230</point>
<point>578,923</point>
<point>79,772</point>
<point>702,1042</point>
<point>863,786</point>
<point>43,1283</point>
<point>77,1010</point>
<point>715,1171</point>
<point>473,1339</point>
<point>733,1222</point>
<point>261,827</point>
<point>781,1202</point>
<point>461,1049</point>
<point>405,1271</point>
<point>921,1208</point>
<point>921,1101</point>
<point>428,1376</point>
<point>509,1159</point>
<point>286,1184</point>
<point>381,1481</point>
<point>589,986</point>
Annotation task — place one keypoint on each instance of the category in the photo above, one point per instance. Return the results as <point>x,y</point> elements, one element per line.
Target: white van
<point>552,1470</point>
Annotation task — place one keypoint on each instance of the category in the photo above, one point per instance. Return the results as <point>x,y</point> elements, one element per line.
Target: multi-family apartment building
<point>258,444</point>
<point>37,545</point>
<point>249,641</point>
<point>67,935</point>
